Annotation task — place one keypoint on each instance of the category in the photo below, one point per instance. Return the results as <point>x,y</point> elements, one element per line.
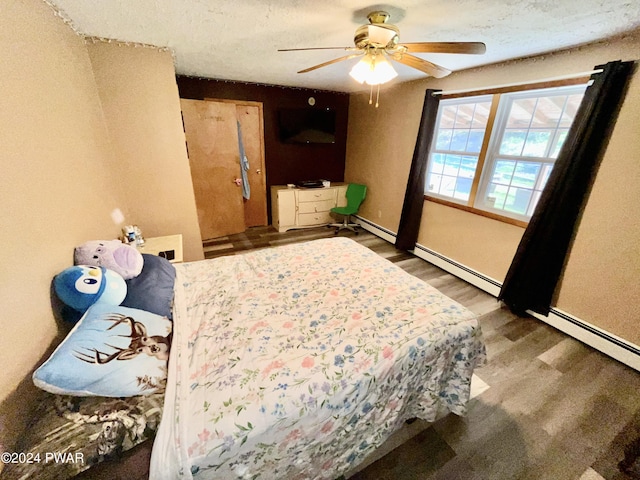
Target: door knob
<point>258,171</point>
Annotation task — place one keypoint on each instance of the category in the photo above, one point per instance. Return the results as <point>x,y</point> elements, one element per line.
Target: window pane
<point>548,111</point>
<point>444,139</point>
<point>546,171</point>
<point>570,109</point>
<point>517,200</point>
<point>503,172</point>
<point>433,183</point>
<point>536,144</point>
<point>464,116</point>
<point>525,174</point>
<point>533,203</point>
<point>481,115</point>
<point>459,140</point>
<point>512,142</point>
<point>468,167</point>
<point>521,113</point>
<point>474,142</point>
<point>463,188</point>
<point>451,165</point>
<point>448,186</point>
<point>448,117</point>
<point>561,136</point>
<point>497,195</point>
<point>437,163</point>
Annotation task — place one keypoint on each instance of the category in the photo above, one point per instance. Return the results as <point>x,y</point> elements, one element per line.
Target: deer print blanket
<point>296,362</point>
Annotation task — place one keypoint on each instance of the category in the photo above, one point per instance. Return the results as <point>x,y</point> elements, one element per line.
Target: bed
<point>297,362</point>
<point>290,362</point>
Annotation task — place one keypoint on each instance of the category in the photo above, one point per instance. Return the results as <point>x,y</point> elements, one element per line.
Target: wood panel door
<point>211,132</point>
<point>250,116</point>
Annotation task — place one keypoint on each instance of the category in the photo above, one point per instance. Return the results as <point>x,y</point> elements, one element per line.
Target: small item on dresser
<point>128,234</point>
<point>138,235</point>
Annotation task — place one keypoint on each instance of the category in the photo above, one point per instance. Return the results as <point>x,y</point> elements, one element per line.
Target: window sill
<point>476,211</point>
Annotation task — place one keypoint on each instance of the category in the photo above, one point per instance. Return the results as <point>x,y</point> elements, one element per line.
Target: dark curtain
<point>414,195</point>
<point>537,265</point>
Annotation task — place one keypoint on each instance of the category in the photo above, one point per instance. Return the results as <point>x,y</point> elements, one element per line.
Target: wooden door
<point>211,132</point>
<point>249,115</point>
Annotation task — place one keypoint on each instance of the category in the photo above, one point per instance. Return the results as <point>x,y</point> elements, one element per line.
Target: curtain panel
<point>414,194</point>
<point>539,260</point>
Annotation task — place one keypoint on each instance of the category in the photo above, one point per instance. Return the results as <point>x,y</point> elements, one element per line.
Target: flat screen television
<point>307,125</point>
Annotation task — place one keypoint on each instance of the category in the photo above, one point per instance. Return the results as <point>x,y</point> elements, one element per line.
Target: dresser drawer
<point>313,195</point>
<point>315,207</point>
<point>319,218</point>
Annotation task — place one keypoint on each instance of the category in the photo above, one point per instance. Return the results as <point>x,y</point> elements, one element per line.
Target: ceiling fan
<point>379,39</point>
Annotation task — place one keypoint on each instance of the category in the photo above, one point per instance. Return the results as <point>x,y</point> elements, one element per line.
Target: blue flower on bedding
<point>348,349</point>
<point>413,353</point>
<point>367,408</point>
<point>314,323</point>
<point>338,361</point>
<point>420,341</point>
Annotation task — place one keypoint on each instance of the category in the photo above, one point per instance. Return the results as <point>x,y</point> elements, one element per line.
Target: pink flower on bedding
<point>273,295</point>
<point>287,324</point>
<point>272,366</point>
<point>335,293</point>
<point>356,316</point>
<point>387,352</point>
<point>204,436</point>
<point>308,362</point>
<point>261,323</point>
<point>327,427</point>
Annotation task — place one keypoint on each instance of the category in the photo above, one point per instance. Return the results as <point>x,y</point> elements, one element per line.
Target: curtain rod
<point>507,85</point>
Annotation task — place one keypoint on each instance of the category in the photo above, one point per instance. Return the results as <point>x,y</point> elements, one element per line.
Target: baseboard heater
<point>601,340</point>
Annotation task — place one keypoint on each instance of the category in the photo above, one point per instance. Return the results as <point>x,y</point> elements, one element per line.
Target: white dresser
<point>305,207</point>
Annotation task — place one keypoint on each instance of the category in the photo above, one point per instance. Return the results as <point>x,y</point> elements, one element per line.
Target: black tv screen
<point>307,125</point>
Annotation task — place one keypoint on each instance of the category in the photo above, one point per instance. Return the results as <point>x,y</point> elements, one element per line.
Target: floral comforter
<point>296,362</point>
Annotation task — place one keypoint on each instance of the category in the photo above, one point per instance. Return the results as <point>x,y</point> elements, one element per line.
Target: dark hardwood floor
<point>546,405</point>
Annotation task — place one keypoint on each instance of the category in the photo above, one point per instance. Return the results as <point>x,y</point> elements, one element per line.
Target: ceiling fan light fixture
<point>373,70</point>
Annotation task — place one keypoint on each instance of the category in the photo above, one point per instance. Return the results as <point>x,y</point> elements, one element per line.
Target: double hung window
<point>494,153</point>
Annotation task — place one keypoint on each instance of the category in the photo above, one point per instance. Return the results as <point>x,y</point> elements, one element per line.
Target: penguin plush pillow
<point>81,286</point>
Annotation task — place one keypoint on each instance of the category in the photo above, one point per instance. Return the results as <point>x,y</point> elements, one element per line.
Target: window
<point>504,173</point>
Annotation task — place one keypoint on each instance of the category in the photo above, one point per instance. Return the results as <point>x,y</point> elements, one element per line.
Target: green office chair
<point>355,196</point>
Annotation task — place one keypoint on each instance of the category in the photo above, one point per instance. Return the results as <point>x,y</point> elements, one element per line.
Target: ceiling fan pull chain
<point>378,95</point>
<point>370,94</point>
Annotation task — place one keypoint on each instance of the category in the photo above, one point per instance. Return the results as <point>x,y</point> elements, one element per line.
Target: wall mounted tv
<point>307,125</point>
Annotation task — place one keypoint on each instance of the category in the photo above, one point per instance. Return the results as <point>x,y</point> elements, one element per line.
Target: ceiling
<point>239,40</point>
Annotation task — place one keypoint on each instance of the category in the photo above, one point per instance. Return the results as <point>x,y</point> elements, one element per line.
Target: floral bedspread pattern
<point>297,362</point>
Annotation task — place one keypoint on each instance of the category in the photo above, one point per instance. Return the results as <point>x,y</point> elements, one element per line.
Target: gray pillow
<point>152,290</point>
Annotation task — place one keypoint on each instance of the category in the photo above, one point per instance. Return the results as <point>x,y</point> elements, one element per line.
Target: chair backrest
<point>355,196</point>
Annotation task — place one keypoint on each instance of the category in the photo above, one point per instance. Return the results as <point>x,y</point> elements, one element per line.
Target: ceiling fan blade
<point>335,60</point>
<point>422,65</point>
<point>315,48</point>
<point>446,47</point>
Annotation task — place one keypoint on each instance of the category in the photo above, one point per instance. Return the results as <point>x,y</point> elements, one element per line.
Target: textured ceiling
<point>238,40</point>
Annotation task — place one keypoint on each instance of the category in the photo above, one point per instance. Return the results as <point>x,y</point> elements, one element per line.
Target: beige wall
<point>75,147</point>
<point>602,272</point>
<point>140,100</point>
<point>56,187</point>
